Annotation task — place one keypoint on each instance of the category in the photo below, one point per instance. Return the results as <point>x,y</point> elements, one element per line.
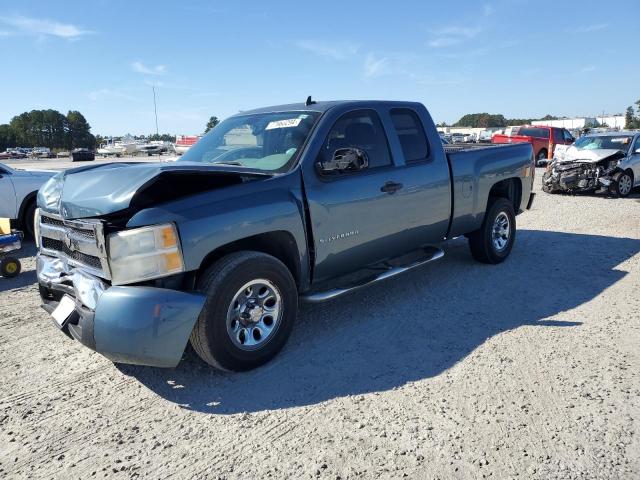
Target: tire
<point>622,184</point>
<point>483,244</point>
<point>237,346</point>
<point>28,219</point>
<point>542,155</point>
<point>10,267</point>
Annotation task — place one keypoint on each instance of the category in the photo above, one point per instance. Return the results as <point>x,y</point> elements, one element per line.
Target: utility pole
<point>155,108</point>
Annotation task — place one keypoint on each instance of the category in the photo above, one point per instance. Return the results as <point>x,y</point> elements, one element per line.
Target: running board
<point>317,297</point>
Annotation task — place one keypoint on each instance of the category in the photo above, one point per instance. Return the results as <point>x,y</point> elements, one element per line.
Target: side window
<point>411,134</point>
<point>558,136</point>
<point>360,129</point>
<point>636,147</point>
<point>567,136</point>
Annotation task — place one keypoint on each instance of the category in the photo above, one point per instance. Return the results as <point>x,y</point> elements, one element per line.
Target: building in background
<point>578,123</point>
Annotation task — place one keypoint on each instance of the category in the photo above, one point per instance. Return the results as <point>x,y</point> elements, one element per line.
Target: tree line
<point>631,119</point>
<point>485,120</point>
<point>47,128</point>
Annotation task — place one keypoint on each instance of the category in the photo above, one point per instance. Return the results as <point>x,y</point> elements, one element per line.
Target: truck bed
<point>474,170</point>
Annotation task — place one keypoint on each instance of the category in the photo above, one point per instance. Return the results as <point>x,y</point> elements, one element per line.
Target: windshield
<point>264,141</point>
<point>608,142</point>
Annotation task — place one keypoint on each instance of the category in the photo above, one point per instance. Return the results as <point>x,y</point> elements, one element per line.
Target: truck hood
<point>572,154</point>
<point>98,190</point>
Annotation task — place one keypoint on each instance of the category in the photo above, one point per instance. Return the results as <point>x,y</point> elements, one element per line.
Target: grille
<point>52,221</point>
<point>81,242</point>
<point>58,246</point>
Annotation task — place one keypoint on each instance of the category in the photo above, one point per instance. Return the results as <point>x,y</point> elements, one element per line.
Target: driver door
<point>363,216</point>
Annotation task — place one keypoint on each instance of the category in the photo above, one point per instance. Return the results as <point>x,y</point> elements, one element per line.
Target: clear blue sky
<point>519,58</point>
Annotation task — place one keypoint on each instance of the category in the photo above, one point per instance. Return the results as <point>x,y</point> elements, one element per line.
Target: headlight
<point>144,254</point>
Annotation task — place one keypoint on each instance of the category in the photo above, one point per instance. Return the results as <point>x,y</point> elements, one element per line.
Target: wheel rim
<point>11,268</point>
<point>254,314</point>
<point>501,231</point>
<point>624,184</point>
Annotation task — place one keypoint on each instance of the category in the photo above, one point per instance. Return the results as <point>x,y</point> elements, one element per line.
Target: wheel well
<point>511,189</point>
<point>279,244</point>
<point>24,206</point>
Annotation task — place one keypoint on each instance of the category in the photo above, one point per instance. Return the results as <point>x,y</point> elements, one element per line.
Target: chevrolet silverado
<point>296,202</point>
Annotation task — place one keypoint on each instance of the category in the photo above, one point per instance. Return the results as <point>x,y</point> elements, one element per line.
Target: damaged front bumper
<point>575,178</point>
<point>128,324</point>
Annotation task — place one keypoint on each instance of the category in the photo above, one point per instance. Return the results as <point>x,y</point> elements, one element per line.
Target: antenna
<point>155,108</point>
<point>309,101</point>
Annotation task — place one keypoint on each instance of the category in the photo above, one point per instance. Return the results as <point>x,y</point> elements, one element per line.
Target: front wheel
<point>493,241</point>
<point>622,184</point>
<point>251,306</point>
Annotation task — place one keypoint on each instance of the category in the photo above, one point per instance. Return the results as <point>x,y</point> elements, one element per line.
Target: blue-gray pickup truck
<point>273,206</point>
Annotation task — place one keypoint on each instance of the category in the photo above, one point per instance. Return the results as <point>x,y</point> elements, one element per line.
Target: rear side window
<point>558,135</point>
<point>411,134</point>
<point>534,132</point>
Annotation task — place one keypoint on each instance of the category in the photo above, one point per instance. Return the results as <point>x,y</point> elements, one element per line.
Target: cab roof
<point>324,106</point>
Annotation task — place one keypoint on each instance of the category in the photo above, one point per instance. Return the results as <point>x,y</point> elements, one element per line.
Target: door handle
<point>391,187</point>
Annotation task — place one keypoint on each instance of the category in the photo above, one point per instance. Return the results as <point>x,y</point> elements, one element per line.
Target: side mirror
<point>345,160</point>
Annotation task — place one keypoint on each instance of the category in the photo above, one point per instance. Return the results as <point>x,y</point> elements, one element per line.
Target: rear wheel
<point>493,241</point>
<point>252,303</point>
<point>10,267</point>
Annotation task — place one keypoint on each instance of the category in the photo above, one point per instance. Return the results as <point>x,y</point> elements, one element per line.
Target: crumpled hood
<point>572,154</point>
<point>96,190</point>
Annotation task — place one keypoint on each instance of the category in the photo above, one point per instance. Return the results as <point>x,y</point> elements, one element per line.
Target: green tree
<point>629,118</point>
<point>213,121</point>
<point>481,120</point>
<point>78,131</point>
<point>7,137</point>
<point>50,128</point>
<point>164,137</point>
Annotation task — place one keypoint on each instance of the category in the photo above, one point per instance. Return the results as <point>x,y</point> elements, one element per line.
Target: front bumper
<point>129,324</point>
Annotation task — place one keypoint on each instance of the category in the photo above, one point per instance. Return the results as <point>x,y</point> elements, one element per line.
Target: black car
<point>82,155</point>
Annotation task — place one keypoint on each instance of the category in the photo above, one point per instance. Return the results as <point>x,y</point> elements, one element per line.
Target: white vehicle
<point>18,189</point>
<point>609,161</point>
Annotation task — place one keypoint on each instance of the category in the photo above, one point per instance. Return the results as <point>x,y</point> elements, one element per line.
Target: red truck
<point>544,140</point>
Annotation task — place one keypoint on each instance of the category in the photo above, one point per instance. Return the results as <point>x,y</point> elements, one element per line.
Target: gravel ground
<point>527,369</point>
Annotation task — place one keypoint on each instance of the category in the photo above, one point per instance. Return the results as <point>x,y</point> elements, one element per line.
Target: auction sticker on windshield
<point>290,122</point>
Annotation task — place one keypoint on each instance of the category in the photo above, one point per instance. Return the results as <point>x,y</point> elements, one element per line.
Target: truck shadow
<point>410,328</point>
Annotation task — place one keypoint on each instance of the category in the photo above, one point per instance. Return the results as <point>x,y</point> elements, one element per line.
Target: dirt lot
<point>528,369</point>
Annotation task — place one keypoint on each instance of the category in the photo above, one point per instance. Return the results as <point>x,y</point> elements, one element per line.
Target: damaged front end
<point>581,175</point>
